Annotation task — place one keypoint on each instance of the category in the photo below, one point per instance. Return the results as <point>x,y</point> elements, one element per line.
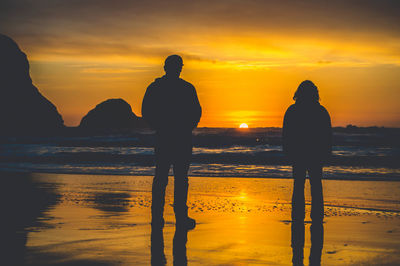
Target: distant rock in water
<point>23,109</point>
<point>112,115</point>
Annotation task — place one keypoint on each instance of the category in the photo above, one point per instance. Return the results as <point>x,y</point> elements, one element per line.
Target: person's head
<point>173,65</point>
<point>306,92</point>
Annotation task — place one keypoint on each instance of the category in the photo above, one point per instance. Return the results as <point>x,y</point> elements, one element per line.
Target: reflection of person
<point>178,246</point>
<point>157,246</point>
<point>317,242</point>
<point>171,107</point>
<point>307,141</point>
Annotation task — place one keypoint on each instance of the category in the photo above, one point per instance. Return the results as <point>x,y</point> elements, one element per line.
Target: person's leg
<point>181,186</point>
<point>298,205</point>
<point>181,167</point>
<point>160,182</point>
<point>317,200</point>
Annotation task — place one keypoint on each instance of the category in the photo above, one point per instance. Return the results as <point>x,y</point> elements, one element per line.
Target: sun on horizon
<point>244,125</point>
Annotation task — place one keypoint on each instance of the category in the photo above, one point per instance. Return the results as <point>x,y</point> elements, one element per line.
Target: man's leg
<point>317,200</point>
<point>298,205</point>
<point>181,186</point>
<point>181,168</point>
<point>160,182</point>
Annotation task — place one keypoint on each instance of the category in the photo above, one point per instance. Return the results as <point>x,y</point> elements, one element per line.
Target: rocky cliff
<point>23,109</point>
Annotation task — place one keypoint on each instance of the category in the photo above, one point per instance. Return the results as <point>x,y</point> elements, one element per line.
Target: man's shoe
<point>187,223</point>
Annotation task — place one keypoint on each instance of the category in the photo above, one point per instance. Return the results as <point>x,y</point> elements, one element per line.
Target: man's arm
<point>148,104</point>
<point>196,109</point>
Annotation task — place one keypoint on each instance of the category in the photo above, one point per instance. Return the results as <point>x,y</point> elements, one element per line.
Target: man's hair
<point>173,61</point>
<point>306,92</point>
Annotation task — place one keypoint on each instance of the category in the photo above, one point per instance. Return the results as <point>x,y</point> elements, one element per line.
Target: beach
<point>240,98</point>
<point>75,219</point>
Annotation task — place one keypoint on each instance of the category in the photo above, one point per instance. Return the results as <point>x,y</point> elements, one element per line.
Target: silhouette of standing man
<point>171,107</point>
<point>307,141</point>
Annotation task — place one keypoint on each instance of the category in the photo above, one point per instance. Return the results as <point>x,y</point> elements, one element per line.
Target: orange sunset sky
<point>245,58</point>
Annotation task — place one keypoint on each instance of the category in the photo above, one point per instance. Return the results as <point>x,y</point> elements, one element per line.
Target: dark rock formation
<point>23,109</point>
<point>113,115</point>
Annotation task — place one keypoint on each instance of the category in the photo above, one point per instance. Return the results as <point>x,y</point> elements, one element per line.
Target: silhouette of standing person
<point>171,107</point>
<point>307,142</point>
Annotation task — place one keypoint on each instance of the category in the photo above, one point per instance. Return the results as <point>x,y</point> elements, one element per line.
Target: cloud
<point>366,16</point>
<point>226,33</point>
<point>266,43</point>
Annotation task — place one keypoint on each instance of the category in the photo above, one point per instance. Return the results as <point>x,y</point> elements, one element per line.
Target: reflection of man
<point>317,243</point>
<point>172,108</point>
<point>178,246</point>
<point>157,246</point>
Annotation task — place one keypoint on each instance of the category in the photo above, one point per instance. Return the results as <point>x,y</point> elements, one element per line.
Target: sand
<point>105,220</point>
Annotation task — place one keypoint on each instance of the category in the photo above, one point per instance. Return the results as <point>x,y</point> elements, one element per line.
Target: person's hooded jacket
<point>307,133</point>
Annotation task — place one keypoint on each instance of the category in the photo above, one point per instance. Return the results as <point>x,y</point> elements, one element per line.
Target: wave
<point>257,155</point>
<point>205,170</point>
<point>365,153</point>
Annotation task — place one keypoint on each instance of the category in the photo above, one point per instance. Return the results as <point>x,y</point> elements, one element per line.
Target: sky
<point>245,58</point>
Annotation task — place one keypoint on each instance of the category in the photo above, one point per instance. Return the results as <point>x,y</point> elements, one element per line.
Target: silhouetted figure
<point>157,246</point>
<point>307,141</point>
<point>179,246</point>
<point>317,242</point>
<point>171,107</point>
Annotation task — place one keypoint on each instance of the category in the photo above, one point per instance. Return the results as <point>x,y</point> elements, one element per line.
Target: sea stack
<point>23,109</point>
<point>112,115</point>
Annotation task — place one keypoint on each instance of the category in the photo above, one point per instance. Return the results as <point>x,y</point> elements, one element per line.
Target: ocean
<point>358,154</point>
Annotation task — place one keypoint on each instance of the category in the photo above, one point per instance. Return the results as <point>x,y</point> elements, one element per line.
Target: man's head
<point>173,65</point>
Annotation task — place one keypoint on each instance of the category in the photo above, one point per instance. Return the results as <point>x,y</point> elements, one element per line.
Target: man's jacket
<point>171,105</point>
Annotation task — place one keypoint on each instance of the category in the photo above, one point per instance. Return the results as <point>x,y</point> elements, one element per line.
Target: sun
<point>244,125</point>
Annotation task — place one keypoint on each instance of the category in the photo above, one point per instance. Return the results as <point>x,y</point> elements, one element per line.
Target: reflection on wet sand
<point>157,246</point>
<point>178,246</point>
<point>53,219</point>
<point>23,204</point>
<point>111,202</point>
<point>317,242</point>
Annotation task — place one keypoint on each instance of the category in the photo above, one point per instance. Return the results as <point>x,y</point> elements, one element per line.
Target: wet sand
<point>105,220</point>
